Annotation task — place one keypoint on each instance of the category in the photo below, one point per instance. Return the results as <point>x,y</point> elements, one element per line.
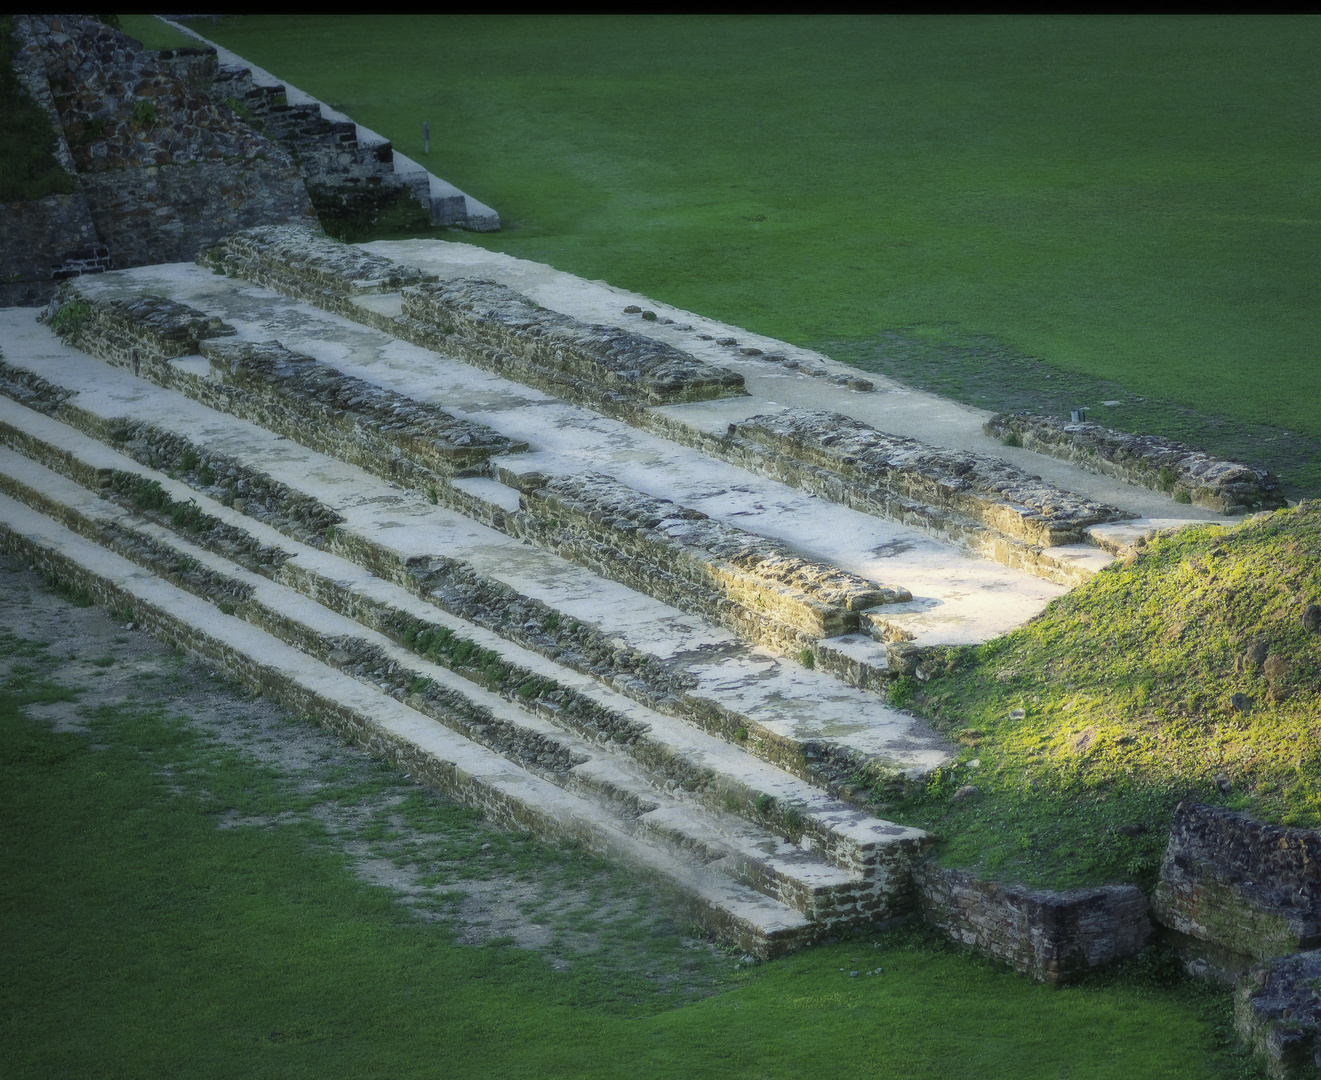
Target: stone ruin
<point>591,577</point>
<point>171,151</point>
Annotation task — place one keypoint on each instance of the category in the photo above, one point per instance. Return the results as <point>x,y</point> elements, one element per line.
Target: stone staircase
<point>334,152</point>
<point>496,544</point>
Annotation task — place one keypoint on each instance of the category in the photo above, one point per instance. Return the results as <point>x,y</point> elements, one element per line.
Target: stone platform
<point>555,583</point>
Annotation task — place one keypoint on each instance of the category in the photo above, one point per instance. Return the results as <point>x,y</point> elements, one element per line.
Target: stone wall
<point>988,490</point>
<point>162,169</point>
<point>1240,886</point>
<point>1052,936</point>
<point>1277,1011</point>
<point>1188,475</point>
<point>641,367</point>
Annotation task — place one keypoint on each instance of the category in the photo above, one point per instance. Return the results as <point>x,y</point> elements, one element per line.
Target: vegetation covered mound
<point>28,169</point>
<point>1192,669</point>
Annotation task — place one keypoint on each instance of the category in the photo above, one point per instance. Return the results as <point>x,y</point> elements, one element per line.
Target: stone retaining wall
<point>308,265</point>
<point>1240,885</point>
<point>759,574</point>
<point>1052,936</point>
<point>496,315</point>
<point>987,490</point>
<point>1188,475</point>
<point>1277,1011</point>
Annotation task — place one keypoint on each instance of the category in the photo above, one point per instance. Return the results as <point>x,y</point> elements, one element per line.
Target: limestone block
<point>1053,936</point>
<point>616,359</point>
<point>1230,487</point>
<point>987,490</point>
<point>758,573</point>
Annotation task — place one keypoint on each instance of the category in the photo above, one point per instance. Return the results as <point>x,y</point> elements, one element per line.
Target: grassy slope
<point>1126,198</point>
<point>1123,692</point>
<point>139,939</point>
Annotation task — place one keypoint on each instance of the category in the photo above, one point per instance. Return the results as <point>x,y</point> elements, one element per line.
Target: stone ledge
<point>148,327</point>
<point>989,491</point>
<point>321,394</point>
<point>1188,475</point>
<point>1052,936</point>
<point>615,359</point>
<point>1249,888</point>
<point>760,574</point>
<point>1277,1011</point>
<point>295,255</point>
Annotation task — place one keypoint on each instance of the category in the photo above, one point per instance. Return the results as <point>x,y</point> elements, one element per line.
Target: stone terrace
<point>520,550</point>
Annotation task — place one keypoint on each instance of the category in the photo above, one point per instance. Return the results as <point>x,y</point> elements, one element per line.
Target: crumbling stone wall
<point>1240,885</point>
<point>1053,936</point>
<point>162,169</point>
<point>1188,475</point>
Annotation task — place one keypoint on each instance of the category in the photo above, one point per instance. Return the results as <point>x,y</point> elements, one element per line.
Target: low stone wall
<point>308,265</point>
<point>374,417</point>
<point>1052,936</point>
<point>1277,1011</point>
<point>319,406</point>
<point>987,490</point>
<point>758,574</point>
<point>615,359</point>
<point>1242,886</point>
<point>1188,475</point>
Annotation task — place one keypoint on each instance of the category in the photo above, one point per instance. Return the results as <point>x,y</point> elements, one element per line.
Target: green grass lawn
<point>1126,205</point>
<point>140,938</point>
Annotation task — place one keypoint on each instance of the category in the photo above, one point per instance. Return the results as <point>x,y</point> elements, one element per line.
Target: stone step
<point>752,585</point>
<point>458,767</point>
<point>957,599</point>
<point>791,873</point>
<point>485,324</point>
<point>802,720</point>
<point>985,506</point>
<point>675,756</point>
<point>630,364</point>
<point>289,393</point>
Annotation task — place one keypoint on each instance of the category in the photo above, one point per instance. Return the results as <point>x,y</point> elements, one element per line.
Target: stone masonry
<point>1188,475</point>
<point>1053,936</point>
<point>1239,885</point>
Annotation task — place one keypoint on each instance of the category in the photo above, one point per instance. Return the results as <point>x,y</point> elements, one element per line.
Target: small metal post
<point>426,137</point>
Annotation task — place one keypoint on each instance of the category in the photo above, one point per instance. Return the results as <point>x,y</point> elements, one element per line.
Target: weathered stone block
<point>321,396</point>
<point>987,490</point>
<point>759,574</point>
<point>1230,487</point>
<point>614,359</point>
<point>1053,936</point>
<point>1241,885</point>
<point>297,260</point>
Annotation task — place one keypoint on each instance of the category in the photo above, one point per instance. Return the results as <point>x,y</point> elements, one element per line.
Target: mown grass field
<point>1022,212</point>
<point>175,902</point>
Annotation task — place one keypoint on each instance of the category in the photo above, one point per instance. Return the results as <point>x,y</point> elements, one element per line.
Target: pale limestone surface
<point>780,695</point>
<point>957,598</point>
<point>893,408</point>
